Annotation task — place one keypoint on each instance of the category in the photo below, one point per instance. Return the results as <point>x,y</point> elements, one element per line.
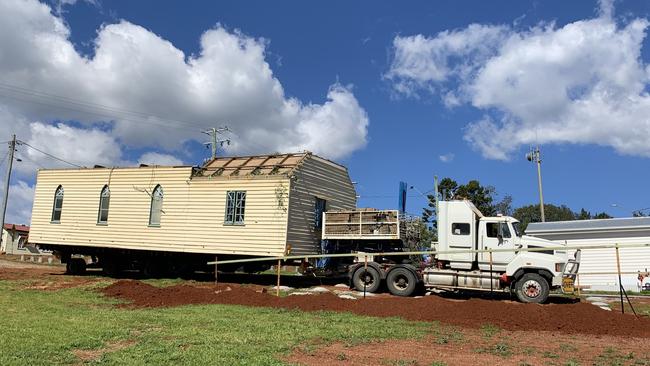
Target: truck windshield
<point>515,225</point>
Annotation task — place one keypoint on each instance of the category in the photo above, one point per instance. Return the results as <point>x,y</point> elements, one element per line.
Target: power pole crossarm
<point>12,148</point>
<point>214,139</point>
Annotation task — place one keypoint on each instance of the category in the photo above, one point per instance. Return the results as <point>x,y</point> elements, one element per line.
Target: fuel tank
<point>465,279</point>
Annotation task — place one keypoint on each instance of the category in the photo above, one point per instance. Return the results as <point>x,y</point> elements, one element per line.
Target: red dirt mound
<point>567,318</point>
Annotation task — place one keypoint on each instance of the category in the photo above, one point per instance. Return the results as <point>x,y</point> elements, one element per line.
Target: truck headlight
<point>559,267</point>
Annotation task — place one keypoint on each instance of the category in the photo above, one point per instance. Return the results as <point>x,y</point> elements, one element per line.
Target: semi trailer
<point>476,253</point>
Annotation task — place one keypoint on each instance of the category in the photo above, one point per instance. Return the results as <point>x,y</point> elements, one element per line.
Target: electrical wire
<point>101,110</point>
<point>24,157</point>
<point>50,155</point>
<point>4,158</point>
<point>107,116</point>
<point>251,142</point>
<point>141,116</point>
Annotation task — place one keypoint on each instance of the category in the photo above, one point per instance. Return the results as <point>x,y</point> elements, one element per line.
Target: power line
<point>24,157</point>
<point>101,110</point>
<point>105,113</point>
<point>48,154</point>
<point>3,158</point>
<point>82,103</point>
<point>101,115</point>
<point>250,141</point>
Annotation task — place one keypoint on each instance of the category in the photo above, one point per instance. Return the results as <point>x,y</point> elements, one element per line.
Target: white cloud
<point>424,63</point>
<point>447,158</point>
<point>138,90</point>
<point>581,83</point>
<point>154,158</point>
<point>80,146</point>
<point>19,205</point>
<point>134,70</point>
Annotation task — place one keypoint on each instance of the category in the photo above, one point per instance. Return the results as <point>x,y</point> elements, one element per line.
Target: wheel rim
<point>367,279</point>
<point>532,288</point>
<point>401,282</point>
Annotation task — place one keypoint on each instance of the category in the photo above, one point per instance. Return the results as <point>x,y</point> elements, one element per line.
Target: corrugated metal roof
<point>278,164</point>
<point>590,225</point>
<point>17,227</point>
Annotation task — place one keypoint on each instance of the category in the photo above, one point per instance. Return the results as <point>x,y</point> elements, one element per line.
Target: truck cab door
<point>496,235</point>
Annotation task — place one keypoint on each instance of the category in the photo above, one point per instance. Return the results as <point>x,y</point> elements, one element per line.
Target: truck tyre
<point>532,288</point>
<point>75,266</point>
<point>110,266</point>
<point>401,282</point>
<point>152,268</point>
<point>369,276</point>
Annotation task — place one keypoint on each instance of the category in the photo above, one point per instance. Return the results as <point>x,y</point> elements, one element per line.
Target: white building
<point>634,261</point>
<point>14,239</point>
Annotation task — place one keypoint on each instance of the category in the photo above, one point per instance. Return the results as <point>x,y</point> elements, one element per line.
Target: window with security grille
<point>235,207</point>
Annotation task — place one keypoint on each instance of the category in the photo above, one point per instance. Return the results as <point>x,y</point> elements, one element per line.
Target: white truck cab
<point>462,229</point>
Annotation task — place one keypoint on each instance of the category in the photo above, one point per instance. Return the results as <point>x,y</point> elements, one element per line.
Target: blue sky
<point>311,48</point>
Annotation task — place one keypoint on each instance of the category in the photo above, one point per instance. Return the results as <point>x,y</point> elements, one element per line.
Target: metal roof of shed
<point>627,223</point>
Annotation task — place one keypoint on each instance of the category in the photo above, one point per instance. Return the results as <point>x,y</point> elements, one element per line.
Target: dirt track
<point>566,318</point>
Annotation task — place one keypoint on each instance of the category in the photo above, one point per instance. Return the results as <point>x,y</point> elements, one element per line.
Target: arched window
<point>58,204</point>
<point>156,206</point>
<point>104,201</point>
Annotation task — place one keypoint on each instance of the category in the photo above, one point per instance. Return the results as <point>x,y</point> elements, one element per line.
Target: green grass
<point>500,349</point>
<point>600,292</point>
<point>489,330</point>
<point>45,327</point>
<point>164,282</point>
<point>446,334</point>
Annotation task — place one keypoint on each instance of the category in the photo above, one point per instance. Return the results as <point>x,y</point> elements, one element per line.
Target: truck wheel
<point>533,288</point>
<point>110,266</point>
<point>152,269</point>
<point>369,276</point>
<point>401,282</point>
<point>75,266</point>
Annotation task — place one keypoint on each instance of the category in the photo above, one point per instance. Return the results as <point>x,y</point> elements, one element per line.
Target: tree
<point>504,207</point>
<point>586,215</point>
<point>481,196</point>
<point>602,215</point>
<point>583,215</point>
<point>530,213</point>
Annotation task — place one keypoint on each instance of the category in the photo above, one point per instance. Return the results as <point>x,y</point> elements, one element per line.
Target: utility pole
<point>215,140</point>
<point>12,147</point>
<point>535,157</point>
<point>435,195</point>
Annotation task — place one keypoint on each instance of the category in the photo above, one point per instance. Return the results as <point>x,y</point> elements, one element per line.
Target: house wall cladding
<point>320,178</point>
<point>193,211</point>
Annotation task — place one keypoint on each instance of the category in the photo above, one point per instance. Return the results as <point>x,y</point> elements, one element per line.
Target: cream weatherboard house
<point>177,216</point>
